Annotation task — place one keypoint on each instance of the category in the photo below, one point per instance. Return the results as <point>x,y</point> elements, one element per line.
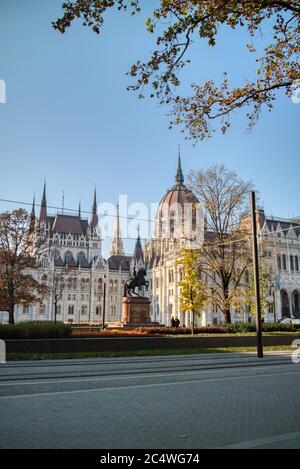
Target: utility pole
<point>260,352</point>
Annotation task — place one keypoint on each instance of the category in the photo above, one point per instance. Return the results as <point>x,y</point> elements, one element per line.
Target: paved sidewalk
<point>162,402</point>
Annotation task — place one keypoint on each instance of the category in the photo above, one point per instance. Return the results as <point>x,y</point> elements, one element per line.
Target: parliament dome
<point>178,204</point>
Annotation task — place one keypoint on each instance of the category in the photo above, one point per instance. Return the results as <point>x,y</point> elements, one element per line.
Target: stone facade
<point>281,249</point>
<point>75,253</point>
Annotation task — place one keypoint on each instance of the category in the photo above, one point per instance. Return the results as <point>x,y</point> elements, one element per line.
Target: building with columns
<point>163,250</point>
<point>74,256</point>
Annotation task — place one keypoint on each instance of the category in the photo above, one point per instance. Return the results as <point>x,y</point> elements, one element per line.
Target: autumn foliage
<point>18,261</point>
<point>178,25</point>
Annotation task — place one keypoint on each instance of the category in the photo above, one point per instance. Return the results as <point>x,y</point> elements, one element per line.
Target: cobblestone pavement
<point>195,401</point>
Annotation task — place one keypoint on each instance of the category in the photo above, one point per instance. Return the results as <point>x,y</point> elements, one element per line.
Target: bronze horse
<point>137,280</point>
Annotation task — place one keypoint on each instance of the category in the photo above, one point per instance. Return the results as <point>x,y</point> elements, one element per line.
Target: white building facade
<point>281,238</point>
<point>74,256</point>
<point>93,284</point>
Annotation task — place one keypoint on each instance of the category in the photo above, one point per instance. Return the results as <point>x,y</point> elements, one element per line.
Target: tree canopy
<point>193,291</point>
<point>18,260</point>
<point>210,104</point>
<point>226,252</point>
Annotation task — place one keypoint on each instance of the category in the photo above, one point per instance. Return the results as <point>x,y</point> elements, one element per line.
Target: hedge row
<point>235,328</point>
<point>35,330</point>
<point>50,330</point>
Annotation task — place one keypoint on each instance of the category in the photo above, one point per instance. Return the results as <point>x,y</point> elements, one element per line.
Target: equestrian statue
<point>136,280</point>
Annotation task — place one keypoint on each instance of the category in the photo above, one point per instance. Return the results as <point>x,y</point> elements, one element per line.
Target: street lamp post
<point>260,353</point>
<point>104,302</point>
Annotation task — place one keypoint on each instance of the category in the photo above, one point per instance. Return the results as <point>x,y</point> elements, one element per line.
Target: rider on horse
<point>137,280</point>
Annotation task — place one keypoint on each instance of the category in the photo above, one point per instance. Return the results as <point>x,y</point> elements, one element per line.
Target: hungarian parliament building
<point>94,283</point>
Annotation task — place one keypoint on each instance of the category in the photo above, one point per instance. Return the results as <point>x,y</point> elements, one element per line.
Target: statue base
<point>136,312</point>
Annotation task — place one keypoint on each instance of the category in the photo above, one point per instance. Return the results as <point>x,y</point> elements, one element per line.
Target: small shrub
<point>277,326</point>
<point>241,327</point>
<point>184,330</point>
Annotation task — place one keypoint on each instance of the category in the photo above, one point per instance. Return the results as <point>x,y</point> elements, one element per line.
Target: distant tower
<point>94,217</point>
<point>179,178</point>
<point>117,243</point>
<point>43,211</point>
<point>32,216</point>
<point>138,256</point>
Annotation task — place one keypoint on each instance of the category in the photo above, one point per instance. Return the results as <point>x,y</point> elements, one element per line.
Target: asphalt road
<point>193,401</point>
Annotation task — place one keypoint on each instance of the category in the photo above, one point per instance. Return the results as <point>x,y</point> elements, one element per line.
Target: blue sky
<point>69,118</point>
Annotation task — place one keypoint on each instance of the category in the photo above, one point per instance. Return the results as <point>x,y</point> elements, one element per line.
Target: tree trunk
<point>55,311</point>
<point>226,311</point>
<point>227,316</point>
<point>193,322</point>
<point>11,318</point>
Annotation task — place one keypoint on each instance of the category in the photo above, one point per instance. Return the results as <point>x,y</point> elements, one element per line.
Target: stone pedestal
<point>136,312</point>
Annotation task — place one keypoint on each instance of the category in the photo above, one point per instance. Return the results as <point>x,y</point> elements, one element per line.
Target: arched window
<point>296,264</point>
<point>68,257</point>
<point>81,258</point>
<point>71,309</point>
<point>285,307</point>
<point>115,285</point>
<point>100,284</point>
<point>111,285</point>
<point>291,262</point>
<point>172,222</point>
<point>296,304</point>
<point>283,262</point>
<point>55,254</point>
<point>278,262</point>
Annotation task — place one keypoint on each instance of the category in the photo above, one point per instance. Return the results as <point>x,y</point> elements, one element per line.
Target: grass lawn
<point>138,353</point>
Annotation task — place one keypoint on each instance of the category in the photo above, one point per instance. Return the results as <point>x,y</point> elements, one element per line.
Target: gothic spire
<point>32,215</point>
<point>179,175</point>
<point>94,218</point>
<point>117,243</point>
<point>79,210</point>
<point>95,203</point>
<point>33,208</point>
<point>138,250</point>
<point>43,211</point>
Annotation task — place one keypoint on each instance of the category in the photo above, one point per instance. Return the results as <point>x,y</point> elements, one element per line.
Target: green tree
<point>248,291</point>
<point>193,293</point>
<point>180,24</point>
